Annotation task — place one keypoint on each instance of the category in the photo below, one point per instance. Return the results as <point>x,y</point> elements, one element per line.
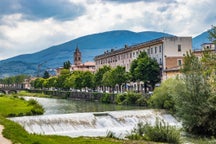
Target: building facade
<point>168,52</point>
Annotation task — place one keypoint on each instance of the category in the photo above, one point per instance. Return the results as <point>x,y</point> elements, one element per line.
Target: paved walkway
<point>3,140</point>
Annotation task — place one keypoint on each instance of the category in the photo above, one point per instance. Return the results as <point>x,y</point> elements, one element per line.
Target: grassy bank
<point>26,93</point>
<point>11,106</point>
<point>16,133</point>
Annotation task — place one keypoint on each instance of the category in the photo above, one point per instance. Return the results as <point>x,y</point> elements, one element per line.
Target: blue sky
<point>28,26</point>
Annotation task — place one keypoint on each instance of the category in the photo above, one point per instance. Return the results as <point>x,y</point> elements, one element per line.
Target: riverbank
<point>16,133</point>
<point>3,140</point>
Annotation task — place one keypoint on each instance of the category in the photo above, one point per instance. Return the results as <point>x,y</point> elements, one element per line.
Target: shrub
<point>161,132</point>
<point>142,101</point>
<point>131,99</point>
<point>37,108</point>
<point>11,115</point>
<point>164,96</point>
<point>106,98</point>
<point>32,102</point>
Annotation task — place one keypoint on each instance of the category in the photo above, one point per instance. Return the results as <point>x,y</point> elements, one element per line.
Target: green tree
<point>46,75</point>
<point>108,79</point>
<point>38,83</point>
<point>78,80</point>
<point>164,96</point>
<point>88,80</point>
<point>61,79</point>
<point>99,75</point>
<point>196,105</point>
<point>119,76</point>
<point>145,69</point>
<point>67,65</point>
<point>51,82</point>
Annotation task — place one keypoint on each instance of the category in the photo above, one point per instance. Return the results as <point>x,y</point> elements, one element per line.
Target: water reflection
<point>63,106</point>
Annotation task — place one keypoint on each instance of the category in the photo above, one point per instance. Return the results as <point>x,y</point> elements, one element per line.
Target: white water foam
<point>92,124</point>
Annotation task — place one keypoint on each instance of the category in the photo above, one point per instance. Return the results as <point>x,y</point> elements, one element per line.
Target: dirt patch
<point>3,140</point>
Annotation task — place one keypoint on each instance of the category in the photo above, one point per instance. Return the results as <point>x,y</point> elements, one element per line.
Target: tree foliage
<point>99,75</point>
<point>145,69</point>
<point>67,65</point>
<point>46,75</point>
<point>196,105</point>
<point>164,96</point>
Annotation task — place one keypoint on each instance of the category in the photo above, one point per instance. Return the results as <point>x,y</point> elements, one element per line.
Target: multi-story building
<point>168,51</point>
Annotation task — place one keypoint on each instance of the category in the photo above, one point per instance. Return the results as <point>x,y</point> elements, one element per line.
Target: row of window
<point>155,50</point>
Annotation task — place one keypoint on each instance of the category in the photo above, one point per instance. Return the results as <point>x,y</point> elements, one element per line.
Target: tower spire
<point>77,56</point>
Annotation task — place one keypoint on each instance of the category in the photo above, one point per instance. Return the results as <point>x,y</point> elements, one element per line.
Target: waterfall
<point>92,124</point>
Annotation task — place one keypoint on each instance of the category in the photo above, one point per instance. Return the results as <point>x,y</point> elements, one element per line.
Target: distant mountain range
<point>90,46</point>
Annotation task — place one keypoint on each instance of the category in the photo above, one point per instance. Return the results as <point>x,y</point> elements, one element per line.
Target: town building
<point>168,51</point>
<point>78,65</point>
<point>205,46</point>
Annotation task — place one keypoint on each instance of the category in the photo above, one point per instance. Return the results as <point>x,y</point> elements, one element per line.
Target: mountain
<point>90,46</point>
<point>200,39</point>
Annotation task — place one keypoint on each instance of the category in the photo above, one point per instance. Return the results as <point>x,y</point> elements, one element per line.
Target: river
<point>65,106</point>
<point>83,118</point>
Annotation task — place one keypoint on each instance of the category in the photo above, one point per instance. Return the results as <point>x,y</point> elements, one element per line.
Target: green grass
<point>13,106</point>
<point>26,93</point>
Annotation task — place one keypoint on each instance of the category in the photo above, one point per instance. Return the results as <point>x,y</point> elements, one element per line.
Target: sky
<point>28,26</point>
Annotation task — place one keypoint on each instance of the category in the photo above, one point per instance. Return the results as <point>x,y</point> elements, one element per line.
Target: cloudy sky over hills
<point>28,26</point>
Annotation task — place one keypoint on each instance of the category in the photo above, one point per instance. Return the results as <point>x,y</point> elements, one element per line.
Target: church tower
<point>77,57</point>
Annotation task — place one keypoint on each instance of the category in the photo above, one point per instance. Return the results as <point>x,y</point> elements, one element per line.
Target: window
<point>179,62</point>
<point>155,49</point>
<point>151,50</point>
<point>148,51</point>
<point>160,48</point>
<point>179,48</point>
<point>160,61</point>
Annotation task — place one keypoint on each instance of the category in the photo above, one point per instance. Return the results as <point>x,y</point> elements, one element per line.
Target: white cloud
<point>188,18</point>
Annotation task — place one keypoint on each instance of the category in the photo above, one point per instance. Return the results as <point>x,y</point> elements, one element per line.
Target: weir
<point>92,124</point>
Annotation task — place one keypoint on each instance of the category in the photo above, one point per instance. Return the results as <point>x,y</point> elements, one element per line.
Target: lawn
<point>13,106</point>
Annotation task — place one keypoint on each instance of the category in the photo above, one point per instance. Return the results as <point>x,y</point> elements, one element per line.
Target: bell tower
<point>77,56</point>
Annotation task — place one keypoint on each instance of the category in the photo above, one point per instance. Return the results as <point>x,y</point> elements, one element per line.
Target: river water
<point>82,118</point>
<point>65,106</point>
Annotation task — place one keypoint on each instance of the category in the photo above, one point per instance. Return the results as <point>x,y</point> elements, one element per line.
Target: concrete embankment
<point>91,96</point>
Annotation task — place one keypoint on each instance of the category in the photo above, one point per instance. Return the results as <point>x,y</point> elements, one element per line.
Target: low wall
<point>90,96</point>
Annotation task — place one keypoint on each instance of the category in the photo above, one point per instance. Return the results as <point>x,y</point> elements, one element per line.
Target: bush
<point>161,132</point>
<point>37,108</point>
<point>131,99</point>
<point>142,101</point>
<point>106,98</point>
<point>164,96</point>
<point>11,115</point>
<point>32,102</point>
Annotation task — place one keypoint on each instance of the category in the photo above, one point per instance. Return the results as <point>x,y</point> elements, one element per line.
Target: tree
<point>99,75</point>
<point>38,83</point>
<point>196,106</point>
<point>61,79</point>
<point>67,65</point>
<point>145,69</point>
<point>108,79</point>
<point>119,76</point>
<point>88,80</point>
<point>164,96</point>
<point>51,82</point>
<point>46,75</point>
